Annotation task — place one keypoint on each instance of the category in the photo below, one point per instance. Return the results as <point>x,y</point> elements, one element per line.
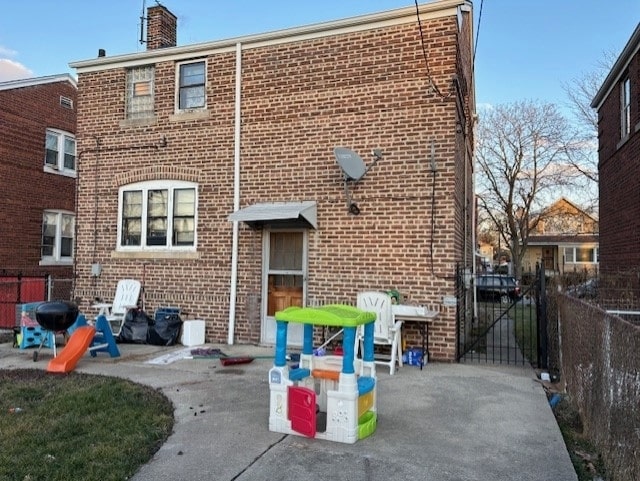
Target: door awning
<point>281,214</point>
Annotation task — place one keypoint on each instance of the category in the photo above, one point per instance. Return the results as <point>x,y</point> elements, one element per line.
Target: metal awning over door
<point>285,214</point>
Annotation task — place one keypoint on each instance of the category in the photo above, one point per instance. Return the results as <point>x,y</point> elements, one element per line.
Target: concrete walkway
<point>447,422</point>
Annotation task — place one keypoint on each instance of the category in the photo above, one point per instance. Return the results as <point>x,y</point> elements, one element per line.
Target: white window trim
<point>56,258</point>
<point>60,168</point>
<point>178,110</point>
<point>625,108</point>
<point>574,248</point>
<point>145,186</point>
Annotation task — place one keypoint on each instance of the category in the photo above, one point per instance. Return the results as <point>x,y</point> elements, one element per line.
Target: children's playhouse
<point>325,397</point>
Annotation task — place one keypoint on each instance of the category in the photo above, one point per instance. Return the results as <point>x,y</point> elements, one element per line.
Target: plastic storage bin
<point>192,333</point>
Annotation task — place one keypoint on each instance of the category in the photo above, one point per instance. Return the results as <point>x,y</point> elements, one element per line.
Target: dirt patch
<point>586,459</point>
<point>6,336</point>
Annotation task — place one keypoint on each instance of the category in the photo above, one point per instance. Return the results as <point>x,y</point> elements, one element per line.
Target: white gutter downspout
<point>236,196</point>
<point>473,235</point>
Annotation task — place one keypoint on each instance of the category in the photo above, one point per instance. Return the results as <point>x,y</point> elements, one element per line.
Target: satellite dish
<point>350,163</point>
<point>354,169</point>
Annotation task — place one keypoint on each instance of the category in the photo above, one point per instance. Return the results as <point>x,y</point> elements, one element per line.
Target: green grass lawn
<point>526,328</point>
<point>77,426</point>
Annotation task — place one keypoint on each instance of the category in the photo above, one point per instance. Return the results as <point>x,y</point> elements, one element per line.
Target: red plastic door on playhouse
<point>302,410</point>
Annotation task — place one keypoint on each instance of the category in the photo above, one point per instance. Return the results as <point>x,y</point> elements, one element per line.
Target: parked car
<point>586,290</point>
<point>496,287</point>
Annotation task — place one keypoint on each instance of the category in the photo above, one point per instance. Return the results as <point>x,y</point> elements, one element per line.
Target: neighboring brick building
<point>37,179</point>
<point>180,137</point>
<point>618,106</point>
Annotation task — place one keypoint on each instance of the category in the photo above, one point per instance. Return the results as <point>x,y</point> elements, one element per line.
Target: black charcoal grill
<point>55,316</point>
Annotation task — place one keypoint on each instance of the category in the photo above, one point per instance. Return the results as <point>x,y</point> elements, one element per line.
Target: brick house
<point>618,106</point>
<point>210,172</point>
<point>38,172</point>
<point>565,241</point>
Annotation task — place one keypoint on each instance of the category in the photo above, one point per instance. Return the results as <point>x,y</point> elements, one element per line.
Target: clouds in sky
<point>10,69</point>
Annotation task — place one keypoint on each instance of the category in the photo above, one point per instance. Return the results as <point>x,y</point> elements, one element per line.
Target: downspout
<point>236,196</point>
<point>473,235</point>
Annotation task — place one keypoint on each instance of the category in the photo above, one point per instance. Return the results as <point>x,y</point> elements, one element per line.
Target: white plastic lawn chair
<point>386,331</point>
<point>126,298</point>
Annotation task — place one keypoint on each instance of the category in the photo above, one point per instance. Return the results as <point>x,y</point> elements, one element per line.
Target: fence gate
<point>513,332</point>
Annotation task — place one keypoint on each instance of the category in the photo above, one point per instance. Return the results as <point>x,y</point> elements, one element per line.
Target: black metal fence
<point>505,330</point>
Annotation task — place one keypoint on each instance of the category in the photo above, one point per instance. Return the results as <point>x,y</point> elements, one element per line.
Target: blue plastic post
<point>81,320</point>
<point>367,355</point>
<point>348,345</point>
<point>281,343</point>
<point>307,345</point>
<point>104,330</point>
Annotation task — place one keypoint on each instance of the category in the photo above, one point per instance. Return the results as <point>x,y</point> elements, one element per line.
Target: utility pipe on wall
<point>236,196</point>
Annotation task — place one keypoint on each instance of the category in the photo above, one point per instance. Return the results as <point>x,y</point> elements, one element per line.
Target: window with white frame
<point>60,151</point>
<point>191,85</point>
<point>158,215</point>
<point>625,108</point>
<point>58,234</point>
<point>581,255</point>
<point>140,92</point>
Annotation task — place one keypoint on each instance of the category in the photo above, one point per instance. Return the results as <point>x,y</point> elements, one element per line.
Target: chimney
<point>161,28</point>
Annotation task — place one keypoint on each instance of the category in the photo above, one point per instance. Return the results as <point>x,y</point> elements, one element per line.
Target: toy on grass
<point>326,397</point>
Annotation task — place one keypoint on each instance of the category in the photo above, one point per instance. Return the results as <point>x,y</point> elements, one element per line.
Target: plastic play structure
<point>325,397</point>
<point>63,317</point>
<point>98,338</point>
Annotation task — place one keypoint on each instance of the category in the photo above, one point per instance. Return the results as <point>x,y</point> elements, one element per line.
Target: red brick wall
<point>359,90</point>
<point>620,181</point>
<point>161,28</point>
<point>25,114</point>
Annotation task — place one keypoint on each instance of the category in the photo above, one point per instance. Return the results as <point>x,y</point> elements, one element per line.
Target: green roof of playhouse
<point>340,315</point>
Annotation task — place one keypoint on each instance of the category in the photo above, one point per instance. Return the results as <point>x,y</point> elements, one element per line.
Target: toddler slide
<point>76,347</point>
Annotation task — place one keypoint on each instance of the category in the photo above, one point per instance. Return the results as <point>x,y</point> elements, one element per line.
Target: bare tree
<point>583,154</point>
<point>521,155</point>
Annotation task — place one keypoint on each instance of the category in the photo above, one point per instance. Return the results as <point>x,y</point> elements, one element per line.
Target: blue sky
<point>526,48</point>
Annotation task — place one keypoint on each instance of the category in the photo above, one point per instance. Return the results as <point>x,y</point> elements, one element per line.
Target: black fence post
<point>541,315</point>
<point>19,289</point>
<point>47,287</point>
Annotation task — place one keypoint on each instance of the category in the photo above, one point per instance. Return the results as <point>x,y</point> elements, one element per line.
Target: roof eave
<point>33,81</point>
<point>433,9</point>
<point>619,67</point>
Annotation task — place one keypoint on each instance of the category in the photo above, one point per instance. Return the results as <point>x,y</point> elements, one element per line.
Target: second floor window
<point>158,215</point>
<point>58,233</point>
<point>191,86</point>
<point>625,108</point>
<point>60,151</point>
<point>140,92</point>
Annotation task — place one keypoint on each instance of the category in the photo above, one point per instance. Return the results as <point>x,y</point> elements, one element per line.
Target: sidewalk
<point>447,422</point>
